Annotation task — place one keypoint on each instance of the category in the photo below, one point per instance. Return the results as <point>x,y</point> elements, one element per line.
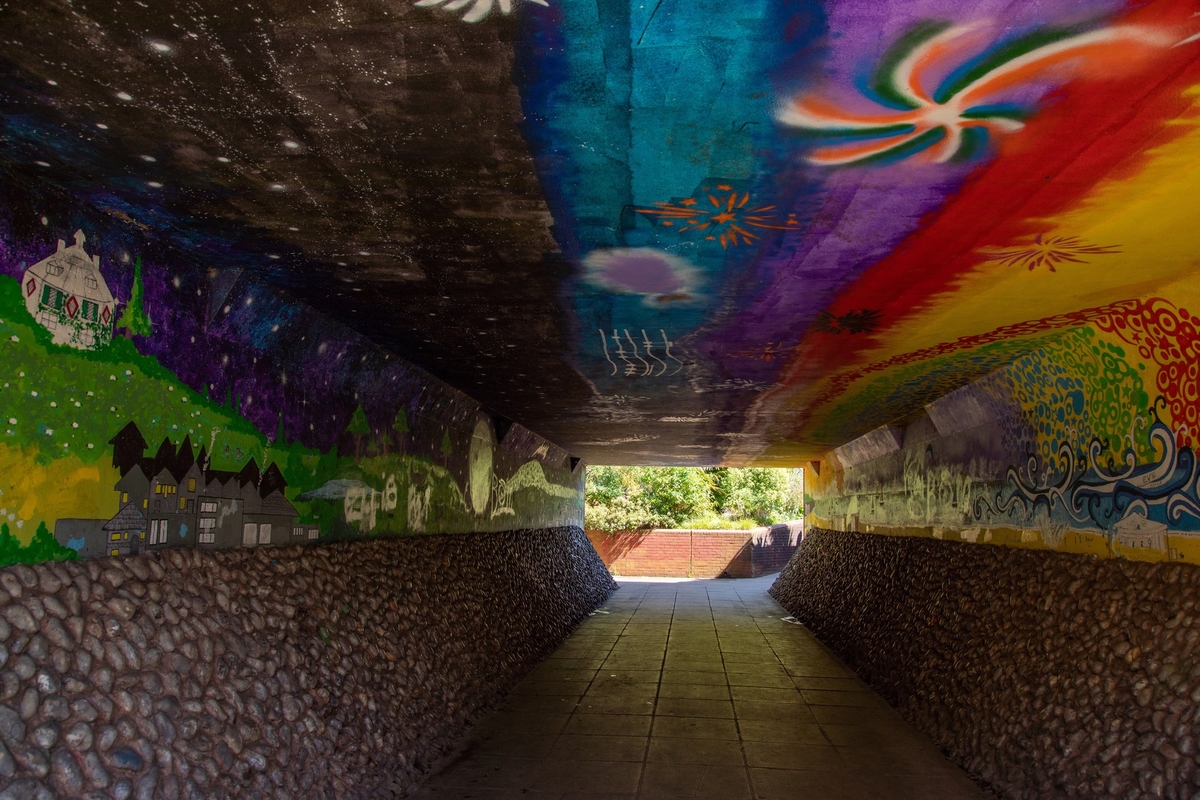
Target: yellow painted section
<point>1092,543</point>
<point>65,488</point>
<point>1184,547</point>
<point>1085,543</point>
<point>1138,553</point>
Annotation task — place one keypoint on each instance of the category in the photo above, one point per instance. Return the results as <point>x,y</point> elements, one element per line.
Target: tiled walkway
<point>696,689</point>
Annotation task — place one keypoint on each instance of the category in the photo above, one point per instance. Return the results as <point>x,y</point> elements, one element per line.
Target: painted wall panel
<point>210,410</point>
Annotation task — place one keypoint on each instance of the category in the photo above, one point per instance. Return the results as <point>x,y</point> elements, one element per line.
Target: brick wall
<point>697,553</point>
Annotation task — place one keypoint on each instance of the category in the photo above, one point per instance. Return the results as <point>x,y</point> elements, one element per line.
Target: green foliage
<point>763,495</point>
<point>358,424</point>
<point>71,402</point>
<point>10,547</point>
<point>447,448</point>
<point>43,547</point>
<point>400,424</point>
<point>675,494</point>
<point>636,498</point>
<point>133,316</point>
<point>633,498</point>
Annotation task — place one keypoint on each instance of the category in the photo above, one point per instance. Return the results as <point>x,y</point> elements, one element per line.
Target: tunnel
<point>314,315</point>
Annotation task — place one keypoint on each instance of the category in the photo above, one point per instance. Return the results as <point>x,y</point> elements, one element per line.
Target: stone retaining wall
<point>1044,675</point>
<point>330,671</point>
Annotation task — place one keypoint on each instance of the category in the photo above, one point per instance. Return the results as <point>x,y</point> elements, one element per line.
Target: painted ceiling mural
<point>674,231</point>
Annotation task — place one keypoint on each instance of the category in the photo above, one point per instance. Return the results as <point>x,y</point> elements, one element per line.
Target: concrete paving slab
<point>696,689</point>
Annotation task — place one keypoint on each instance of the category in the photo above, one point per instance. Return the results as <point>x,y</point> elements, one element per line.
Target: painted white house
<point>1134,530</point>
<point>67,295</point>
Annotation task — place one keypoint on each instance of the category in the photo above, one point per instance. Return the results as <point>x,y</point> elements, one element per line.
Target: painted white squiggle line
<point>650,352</point>
<point>636,355</point>
<point>667,345</point>
<point>629,367</point>
<point>604,344</point>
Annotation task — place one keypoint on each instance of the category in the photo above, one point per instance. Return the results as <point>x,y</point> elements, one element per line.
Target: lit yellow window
<point>124,497</point>
<point>116,537</point>
<point>191,484</point>
<point>158,489</point>
<point>126,534</point>
<point>146,503</point>
<point>114,552</point>
<point>182,503</point>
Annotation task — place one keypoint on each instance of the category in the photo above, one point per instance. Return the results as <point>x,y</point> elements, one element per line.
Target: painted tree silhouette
<point>359,427</point>
<point>133,320</point>
<point>400,426</point>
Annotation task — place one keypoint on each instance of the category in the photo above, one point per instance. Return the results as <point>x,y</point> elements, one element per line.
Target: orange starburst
<point>724,215</point>
<point>1046,252</point>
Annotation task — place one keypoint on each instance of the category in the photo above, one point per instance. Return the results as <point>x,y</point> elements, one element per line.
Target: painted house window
<point>298,531</point>
<point>264,533</point>
<point>116,537</point>
<point>191,484</point>
<point>114,552</point>
<point>146,502</point>
<point>158,531</point>
<point>165,489</point>
<point>49,321</point>
<point>208,506</point>
<point>314,533</point>
<point>124,497</point>
<point>53,297</point>
<point>90,311</point>
<point>208,533</point>
<point>54,269</point>
<point>91,282</point>
<point>249,534</point>
<point>183,504</point>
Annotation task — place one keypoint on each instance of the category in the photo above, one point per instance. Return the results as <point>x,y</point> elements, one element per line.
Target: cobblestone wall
<point>332,671</point>
<point>1044,675</point>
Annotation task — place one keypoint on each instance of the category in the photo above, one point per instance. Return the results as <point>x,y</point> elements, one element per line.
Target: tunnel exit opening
<point>694,522</point>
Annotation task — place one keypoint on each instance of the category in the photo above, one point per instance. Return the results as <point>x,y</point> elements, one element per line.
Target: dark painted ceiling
<point>681,232</point>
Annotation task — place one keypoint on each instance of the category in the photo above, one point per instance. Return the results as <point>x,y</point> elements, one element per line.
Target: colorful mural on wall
<point>1083,444</point>
<point>206,410</point>
<point>677,232</point>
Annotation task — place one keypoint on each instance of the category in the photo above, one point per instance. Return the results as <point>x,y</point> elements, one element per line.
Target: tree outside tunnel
<point>641,498</point>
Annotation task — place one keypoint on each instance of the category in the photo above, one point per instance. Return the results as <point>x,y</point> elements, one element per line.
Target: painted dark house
<point>174,499</point>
